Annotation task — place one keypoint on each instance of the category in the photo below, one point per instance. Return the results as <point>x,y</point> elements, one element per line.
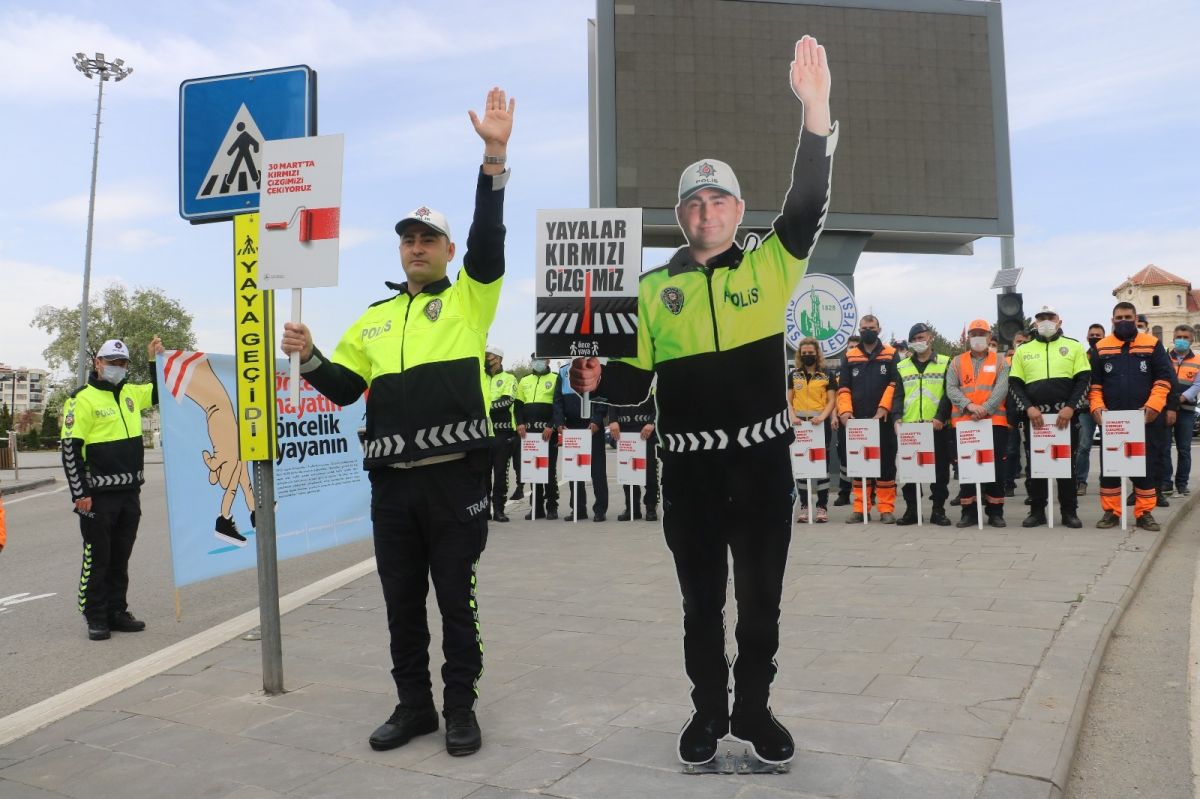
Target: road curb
<point>1041,742</point>
<point>33,718</point>
<point>26,485</point>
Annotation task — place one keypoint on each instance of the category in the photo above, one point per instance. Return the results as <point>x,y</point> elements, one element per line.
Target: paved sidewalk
<point>916,662</point>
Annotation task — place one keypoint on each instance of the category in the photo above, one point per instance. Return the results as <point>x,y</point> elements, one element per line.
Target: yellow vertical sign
<point>254,352</point>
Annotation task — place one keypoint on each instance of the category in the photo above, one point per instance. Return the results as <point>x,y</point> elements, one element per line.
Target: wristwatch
<point>495,159</point>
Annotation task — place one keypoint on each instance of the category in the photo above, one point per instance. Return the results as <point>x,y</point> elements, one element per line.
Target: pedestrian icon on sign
<point>236,166</point>
<point>241,155</point>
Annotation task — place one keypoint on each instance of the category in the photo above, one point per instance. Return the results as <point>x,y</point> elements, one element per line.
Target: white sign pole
<point>294,364</point>
<point>1050,501</point>
<point>812,515</point>
<point>1124,505</point>
<point>920,512</point>
<point>533,510</point>
<point>866,503</point>
<point>979,503</point>
<point>575,502</point>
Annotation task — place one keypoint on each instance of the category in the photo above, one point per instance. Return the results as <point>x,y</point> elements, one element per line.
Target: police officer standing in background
<point>638,420</point>
<point>103,456</point>
<point>568,414</point>
<point>503,413</point>
<point>921,397</point>
<point>427,441</point>
<point>866,390</point>
<point>535,414</point>
<point>1050,375</point>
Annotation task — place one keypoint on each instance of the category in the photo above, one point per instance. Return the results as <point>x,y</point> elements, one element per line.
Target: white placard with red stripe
<point>864,457</point>
<point>1049,451</point>
<point>808,451</point>
<point>535,459</point>
<point>631,460</point>
<point>976,453</point>
<point>915,457</point>
<point>1123,437</point>
<point>576,448</point>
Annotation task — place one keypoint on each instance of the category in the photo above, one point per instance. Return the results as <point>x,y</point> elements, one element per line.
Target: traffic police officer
<point>1131,371</point>
<point>536,415</point>
<point>102,455</point>
<point>503,395</point>
<point>421,354</point>
<point>866,390</point>
<point>1049,375</point>
<point>921,397</point>
<point>710,326</point>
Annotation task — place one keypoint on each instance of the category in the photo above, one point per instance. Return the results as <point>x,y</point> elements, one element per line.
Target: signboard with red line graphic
<point>1050,451</point>
<point>915,457</point>
<point>587,265</point>
<point>976,452</point>
<point>631,460</point>
<point>576,450</point>
<point>301,209</point>
<point>1123,439</point>
<point>864,457</point>
<point>808,451</point>
<point>535,460</point>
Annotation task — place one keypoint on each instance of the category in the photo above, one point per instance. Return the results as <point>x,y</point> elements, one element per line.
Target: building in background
<point>1167,300</point>
<point>23,389</point>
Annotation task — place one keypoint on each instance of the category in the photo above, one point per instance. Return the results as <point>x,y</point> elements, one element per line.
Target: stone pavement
<point>915,662</point>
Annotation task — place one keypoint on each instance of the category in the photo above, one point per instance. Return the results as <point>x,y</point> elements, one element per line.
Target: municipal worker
<point>421,354</point>
<point>866,390</point>
<point>102,455</point>
<point>638,420</point>
<point>503,412</point>
<point>568,415</point>
<point>977,383</point>
<point>812,398</point>
<point>1087,425</point>
<point>710,326</point>
<point>921,397</point>
<point>536,391</point>
<point>1050,376</point>
<point>1187,380</point>
<point>1131,371</point>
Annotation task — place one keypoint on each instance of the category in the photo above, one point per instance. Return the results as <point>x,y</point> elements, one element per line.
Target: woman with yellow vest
<point>977,383</point>
<point>812,394</point>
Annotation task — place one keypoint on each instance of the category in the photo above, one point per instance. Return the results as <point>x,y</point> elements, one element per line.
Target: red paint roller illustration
<point>1060,452</point>
<point>315,223</point>
<point>583,459</point>
<point>869,453</point>
<point>639,464</point>
<point>925,458</point>
<point>1135,449</point>
<point>816,454</point>
<point>541,462</point>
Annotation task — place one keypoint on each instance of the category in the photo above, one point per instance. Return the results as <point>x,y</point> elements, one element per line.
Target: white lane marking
<point>8,502</point>
<point>17,599</point>
<point>19,724</point>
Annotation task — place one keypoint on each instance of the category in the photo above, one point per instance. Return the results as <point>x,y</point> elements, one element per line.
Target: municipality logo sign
<point>822,308</point>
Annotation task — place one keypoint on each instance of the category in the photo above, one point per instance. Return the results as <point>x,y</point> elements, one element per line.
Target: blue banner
<point>323,496</point>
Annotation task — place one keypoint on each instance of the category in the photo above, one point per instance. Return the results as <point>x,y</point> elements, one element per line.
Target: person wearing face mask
<point>977,383</point>
<point>503,414</point>
<point>921,397</point>
<point>1050,375</point>
<point>102,456</point>
<point>1131,371</point>
<point>568,413</point>
<point>536,416</point>
<point>866,390</point>
<point>811,398</point>
<point>1087,425</point>
<point>1187,379</point>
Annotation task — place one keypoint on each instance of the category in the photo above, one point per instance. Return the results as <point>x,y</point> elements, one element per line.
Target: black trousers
<point>432,521</point>
<point>1036,488</point>
<point>993,492</point>
<point>108,535</point>
<point>547,495</point>
<point>599,479</point>
<point>715,503</point>
<point>944,451</point>
<point>502,449</point>
<point>650,494</point>
<point>516,457</point>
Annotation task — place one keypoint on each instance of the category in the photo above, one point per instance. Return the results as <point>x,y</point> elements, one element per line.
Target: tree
<point>135,318</point>
<point>31,440</point>
<point>49,422</point>
<point>6,420</point>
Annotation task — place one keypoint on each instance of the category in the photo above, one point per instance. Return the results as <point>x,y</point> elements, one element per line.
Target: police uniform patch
<point>129,403</point>
<point>1142,366</point>
<point>1108,366</point>
<point>433,310</point>
<point>548,384</point>
<point>672,298</point>
<point>854,372</point>
<point>1062,351</point>
<point>70,420</point>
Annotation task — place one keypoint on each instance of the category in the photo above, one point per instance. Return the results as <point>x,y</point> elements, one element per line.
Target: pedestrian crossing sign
<point>223,121</point>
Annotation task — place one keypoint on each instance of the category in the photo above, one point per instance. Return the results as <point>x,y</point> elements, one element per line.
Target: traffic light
<point>1010,317</point>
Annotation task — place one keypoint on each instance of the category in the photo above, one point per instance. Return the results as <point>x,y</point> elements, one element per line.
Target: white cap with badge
<point>708,173</point>
<point>1046,310</point>
<point>425,216</point>
<point>113,349</point>
<point>492,349</point>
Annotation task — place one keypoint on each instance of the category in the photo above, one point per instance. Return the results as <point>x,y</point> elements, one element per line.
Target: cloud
<point>139,240</point>
<point>123,202</point>
<point>351,237</point>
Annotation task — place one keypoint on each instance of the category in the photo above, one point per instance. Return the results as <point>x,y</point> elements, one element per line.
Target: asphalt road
<point>43,641</point>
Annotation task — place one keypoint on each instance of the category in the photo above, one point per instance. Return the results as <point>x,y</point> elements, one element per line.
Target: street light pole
<point>117,71</point>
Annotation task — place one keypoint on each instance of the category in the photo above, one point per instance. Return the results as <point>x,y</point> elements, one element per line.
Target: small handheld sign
<point>587,264</point>
<point>808,457</point>
<point>631,460</point>
<point>1123,439</point>
<point>1050,459</point>
<point>535,465</point>
<point>976,458</point>
<point>916,460</point>
<point>864,457</point>
<point>576,460</point>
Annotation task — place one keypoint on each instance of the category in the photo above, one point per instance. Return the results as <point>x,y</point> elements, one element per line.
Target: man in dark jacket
<point>568,415</point>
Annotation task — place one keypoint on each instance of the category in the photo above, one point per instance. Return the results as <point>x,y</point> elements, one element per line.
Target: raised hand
<point>810,81</point>
<point>496,125</point>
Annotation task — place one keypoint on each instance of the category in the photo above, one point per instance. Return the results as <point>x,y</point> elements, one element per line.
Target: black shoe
<point>570,517</point>
<point>1146,522</point>
<point>769,740</point>
<point>624,516</point>
<point>403,725</point>
<point>519,493</point>
<point>997,521</point>
<point>124,622</point>
<point>700,737</point>
<point>226,530</point>
<point>253,525</point>
<point>1028,500</point>
<point>499,516</point>
<point>599,517</point>
<point>552,514</point>
<point>98,631</point>
<point>909,517</point>
<point>842,499</point>
<point>651,515</point>
<point>1109,519</point>
<point>956,502</point>
<point>939,518</point>
<point>1160,500</point>
<point>1072,521</point>
<point>463,736</point>
<point>967,520</point>
<point>1183,491</point>
<point>1034,519</point>
<point>1010,491</point>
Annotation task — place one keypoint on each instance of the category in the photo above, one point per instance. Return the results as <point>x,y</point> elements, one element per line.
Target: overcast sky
<point>1102,102</point>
